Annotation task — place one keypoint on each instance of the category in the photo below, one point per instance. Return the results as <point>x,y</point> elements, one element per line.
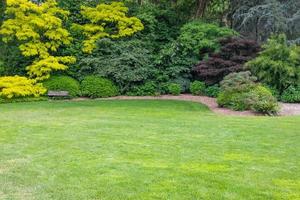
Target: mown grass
<point>144,149</point>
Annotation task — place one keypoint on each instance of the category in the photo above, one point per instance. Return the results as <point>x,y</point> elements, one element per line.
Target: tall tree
<point>39,32</point>
<point>201,7</point>
<point>258,19</point>
<point>107,20</point>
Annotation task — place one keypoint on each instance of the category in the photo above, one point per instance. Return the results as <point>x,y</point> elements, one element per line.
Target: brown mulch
<point>288,109</point>
<point>208,101</point>
<point>211,103</point>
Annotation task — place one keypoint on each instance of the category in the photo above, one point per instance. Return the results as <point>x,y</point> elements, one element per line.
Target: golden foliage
<point>39,29</point>
<point>107,20</point>
<point>17,86</point>
<point>41,69</point>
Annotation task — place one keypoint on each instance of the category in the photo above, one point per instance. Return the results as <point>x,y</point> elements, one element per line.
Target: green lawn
<point>142,150</point>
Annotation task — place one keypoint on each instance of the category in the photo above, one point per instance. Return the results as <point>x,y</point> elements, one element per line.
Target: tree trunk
<point>201,7</point>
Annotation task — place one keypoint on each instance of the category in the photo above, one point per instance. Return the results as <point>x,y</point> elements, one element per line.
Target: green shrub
<point>234,88</point>
<point>238,82</point>
<point>239,92</point>
<point>273,90</point>
<point>174,89</point>
<point>261,100</point>
<point>196,39</point>
<point>197,36</point>
<point>183,82</point>
<point>63,83</point>
<point>127,63</point>
<point>278,64</point>
<point>212,91</point>
<point>148,89</point>
<point>96,87</point>
<point>232,100</point>
<point>291,95</point>
<point>197,88</point>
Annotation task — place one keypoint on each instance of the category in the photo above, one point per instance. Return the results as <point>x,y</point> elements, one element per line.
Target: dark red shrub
<point>233,54</point>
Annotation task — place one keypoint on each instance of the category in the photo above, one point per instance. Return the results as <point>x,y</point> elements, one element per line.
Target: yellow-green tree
<point>107,20</point>
<point>18,86</point>
<point>39,31</point>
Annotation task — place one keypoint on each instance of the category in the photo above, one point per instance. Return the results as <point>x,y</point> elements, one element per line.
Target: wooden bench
<point>58,94</point>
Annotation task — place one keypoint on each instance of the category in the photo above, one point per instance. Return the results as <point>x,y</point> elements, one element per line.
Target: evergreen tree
<point>259,19</point>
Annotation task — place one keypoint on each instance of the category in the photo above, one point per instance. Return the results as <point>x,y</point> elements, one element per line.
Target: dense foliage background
<point>181,42</point>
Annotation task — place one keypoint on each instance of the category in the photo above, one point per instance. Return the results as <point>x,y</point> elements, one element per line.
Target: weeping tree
<point>258,19</point>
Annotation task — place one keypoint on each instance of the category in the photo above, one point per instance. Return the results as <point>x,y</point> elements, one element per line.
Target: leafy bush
<point>197,88</point>
<point>127,63</point>
<point>233,54</point>
<point>240,82</point>
<point>147,89</point>
<point>261,100</point>
<point>19,87</point>
<point>291,95</point>
<point>183,82</point>
<point>233,100</point>
<point>278,64</point>
<point>63,83</point>
<point>173,63</point>
<point>239,92</point>
<point>95,87</point>
<point>174,89</point>
<point>196,39</point>
<point>273,90</point>
<point>212,91</point>
<point>197,36</point>
<point>234,87</point>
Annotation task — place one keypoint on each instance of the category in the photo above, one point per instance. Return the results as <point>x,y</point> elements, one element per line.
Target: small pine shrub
<point>261,100</point>
<point>212,91</point>
<point>240,92</point>
<point>242,81</point>
<point>63,83</point>
<point>291,95</point>
<point>97,87</point>
<point>174,89</point>
<point>197,88</point>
